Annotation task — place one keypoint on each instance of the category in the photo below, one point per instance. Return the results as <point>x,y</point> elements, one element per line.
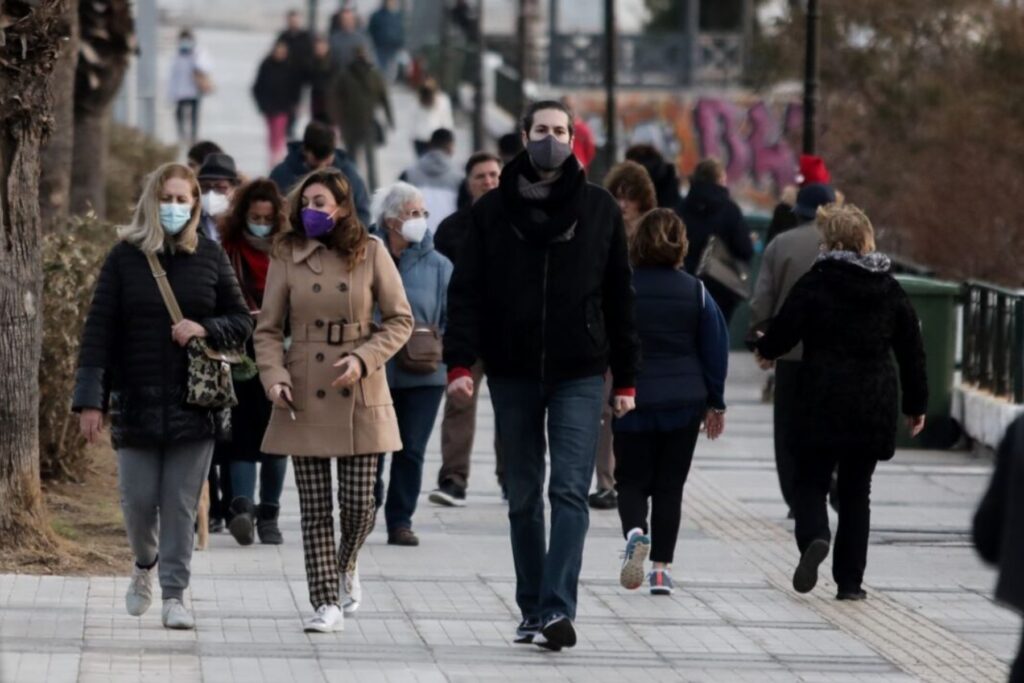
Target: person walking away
<point>277,92</point>
<point>299,42</point>
<point>198,152</point>
<point>435,175</point>
<point>785,261</point>
<point>998,526</point>
<point>632,188</point>
<point>459,422</point>
<point>357,92</point>
<point>387,29</point>
<point>684,345</point>
<point>346,39</point>
<point>320,77</point>
<point>318,152</point>
<point>663,175</point>
<point>707,212</point>
<point>812,172</point>
<point>583,145</point>
<point>133,367</point>
<point>189,81</point>
<point>327,276</point>
<point>545,265</point>
<point>257,215</point>
<point>218,178</point>
<point>852,316</point>
<point>433,112</point>
<point>416,375</point>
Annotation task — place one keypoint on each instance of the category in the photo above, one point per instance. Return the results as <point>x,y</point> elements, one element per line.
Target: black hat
<point>218,166</point>
<point>811,197</point>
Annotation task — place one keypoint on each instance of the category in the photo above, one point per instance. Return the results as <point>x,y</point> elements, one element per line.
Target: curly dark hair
<point>349,237</point>
<point>233,224</point>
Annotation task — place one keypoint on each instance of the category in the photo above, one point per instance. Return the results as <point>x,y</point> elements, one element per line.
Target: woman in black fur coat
<point>852,316</point>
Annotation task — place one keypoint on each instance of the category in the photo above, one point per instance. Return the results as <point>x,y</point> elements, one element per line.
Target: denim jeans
<point>416,409</point>
<point>547,575</point>
<point>272,472</point>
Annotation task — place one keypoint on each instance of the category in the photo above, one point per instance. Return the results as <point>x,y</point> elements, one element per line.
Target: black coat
<point>999,522</point>
<point>707,210</point>
<point>452,232</point>
<point>850,319</point>
<point>277,88</point>
<point>548,299</point>
<point>129,366</point>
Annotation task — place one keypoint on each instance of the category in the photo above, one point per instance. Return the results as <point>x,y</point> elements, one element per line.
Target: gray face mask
<point>548,154</point>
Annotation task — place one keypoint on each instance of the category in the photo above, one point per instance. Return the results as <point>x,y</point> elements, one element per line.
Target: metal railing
<point>993,331</point>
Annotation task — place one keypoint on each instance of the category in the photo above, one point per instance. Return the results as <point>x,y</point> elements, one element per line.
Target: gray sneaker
<point>140,591</point>
<point>176,616</point>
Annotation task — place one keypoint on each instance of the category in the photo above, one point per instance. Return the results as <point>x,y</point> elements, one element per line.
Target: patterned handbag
<point>209,370</point>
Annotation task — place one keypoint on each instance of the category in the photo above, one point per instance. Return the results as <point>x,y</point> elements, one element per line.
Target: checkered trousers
<point>356,477</point>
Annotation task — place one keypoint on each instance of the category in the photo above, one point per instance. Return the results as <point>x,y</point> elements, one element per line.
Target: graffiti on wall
<point>750,135</point>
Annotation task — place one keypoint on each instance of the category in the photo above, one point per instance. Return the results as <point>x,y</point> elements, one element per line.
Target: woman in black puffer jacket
<point>133,366</point>
<point>852,317</point>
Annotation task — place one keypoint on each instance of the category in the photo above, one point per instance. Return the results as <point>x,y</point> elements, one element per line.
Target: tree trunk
<point>89,172</point>
<point>26,106</point>
<point>55,182</point>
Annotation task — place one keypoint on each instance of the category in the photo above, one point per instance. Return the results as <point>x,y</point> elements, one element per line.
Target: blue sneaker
<point>638,547</point>
<point>661,582</point>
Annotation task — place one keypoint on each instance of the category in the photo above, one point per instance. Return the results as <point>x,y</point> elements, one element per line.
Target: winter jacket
<point>429,119</point>
<point>344,45</point>
<point>129,366</point>
<point>181,83</point>
<point>387,30</point>
<point>851,315</point>
<point>352,101</point>
<point>300,52</point>
<point>785,261</point>
<point>999,521</point>
<point>329,310</point>
<point>684,347</point>
<point>783,220</point>
<point>452,233</point>
<point>707,210</point>
<point>425,274</point>
<point>542,288</point>
<point>583,145</point>
<point>438,180</point>
<point>290,171</point>
<point>276,89</point>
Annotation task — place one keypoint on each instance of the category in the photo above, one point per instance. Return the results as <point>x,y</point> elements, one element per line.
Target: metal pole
<point>610,61</point>
<point>146,19</point>
<point>442,43</point>
<point>521,55</point>
<point>811,76</point>
<point>478,89</point>
<point>311,15</point>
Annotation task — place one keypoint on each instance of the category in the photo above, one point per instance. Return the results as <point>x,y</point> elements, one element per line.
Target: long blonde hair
<point>145,231</point>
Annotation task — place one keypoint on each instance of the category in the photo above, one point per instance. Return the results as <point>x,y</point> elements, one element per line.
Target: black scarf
<point>547,220</point>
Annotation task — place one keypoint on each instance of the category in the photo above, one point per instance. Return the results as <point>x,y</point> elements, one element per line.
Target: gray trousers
<point>159,492</point>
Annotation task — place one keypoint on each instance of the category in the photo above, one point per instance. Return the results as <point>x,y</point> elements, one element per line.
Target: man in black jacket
<point>542,295</point>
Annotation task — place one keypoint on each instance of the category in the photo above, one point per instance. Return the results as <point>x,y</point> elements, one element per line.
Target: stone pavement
<point>445,611</point>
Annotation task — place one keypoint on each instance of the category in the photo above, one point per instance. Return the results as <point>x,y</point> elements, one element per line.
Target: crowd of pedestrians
<point>598,315</point>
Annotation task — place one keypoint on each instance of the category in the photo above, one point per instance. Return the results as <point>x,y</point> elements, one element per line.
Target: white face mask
<point>215,203</point>
<point>414,229</point>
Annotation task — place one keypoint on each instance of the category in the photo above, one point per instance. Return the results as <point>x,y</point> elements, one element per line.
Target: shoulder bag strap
<point>160,275</point>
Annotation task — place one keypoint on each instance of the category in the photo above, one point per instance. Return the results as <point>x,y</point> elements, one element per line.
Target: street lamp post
<point>610,40</point>
<point>478,89</point>
<point>811,76</point>
<point>311,15</point>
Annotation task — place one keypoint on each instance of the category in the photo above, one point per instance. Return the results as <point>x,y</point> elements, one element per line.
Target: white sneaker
<point>175,615</point>
<point>140,591</point>
<point>329,618</point>
<point>351,591</point>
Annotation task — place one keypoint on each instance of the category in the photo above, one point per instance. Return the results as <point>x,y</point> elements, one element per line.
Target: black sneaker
<point>556,634</point>
<point>527,630</point>
<point>604,499</point>
<point>448,494</point>
<point>805,578</point>
<point>856,594</point>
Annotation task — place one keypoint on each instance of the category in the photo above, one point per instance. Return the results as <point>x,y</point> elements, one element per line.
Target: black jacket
<point>851,319</point>
<point>291,170</point>
<point>999,522</point>
<point>542,290</point>
<point>707,210</point>
<point>277,89</point>
<point>452,233</point>
<point>128,364</point>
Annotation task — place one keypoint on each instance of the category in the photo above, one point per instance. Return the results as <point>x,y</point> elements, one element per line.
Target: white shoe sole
<point>350,608</point>
<point>179,625</point>
<point>442,498</point>
<point>631,576</point>
<point>323,628</point>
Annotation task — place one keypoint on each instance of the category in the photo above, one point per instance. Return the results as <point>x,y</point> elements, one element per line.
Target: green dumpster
<point>758,223</point>
<point>935,302</point>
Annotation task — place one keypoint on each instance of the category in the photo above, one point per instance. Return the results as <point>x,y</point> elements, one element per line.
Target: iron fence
<point>993,342</point>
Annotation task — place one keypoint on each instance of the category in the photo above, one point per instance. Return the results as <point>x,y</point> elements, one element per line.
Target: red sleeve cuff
<point>626,391</point>
<point>456,373</point>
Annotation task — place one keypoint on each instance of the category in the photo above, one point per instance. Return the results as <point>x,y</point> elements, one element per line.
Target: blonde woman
<point>327,278</point>
<point>132,366</point>
<point>852,317</point>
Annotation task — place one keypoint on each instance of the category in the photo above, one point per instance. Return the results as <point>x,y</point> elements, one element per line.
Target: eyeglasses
<point>418,214</point>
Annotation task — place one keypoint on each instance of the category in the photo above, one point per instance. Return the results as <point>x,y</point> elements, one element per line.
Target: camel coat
<point>330,312</point>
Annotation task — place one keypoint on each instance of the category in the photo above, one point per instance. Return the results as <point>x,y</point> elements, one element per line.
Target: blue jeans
<point>416,409</point>
<point>272,471</point>
<point>547,576</point>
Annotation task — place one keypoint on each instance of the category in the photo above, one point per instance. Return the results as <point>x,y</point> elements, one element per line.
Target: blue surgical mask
<point>259,229</point>
<point>174,217</point>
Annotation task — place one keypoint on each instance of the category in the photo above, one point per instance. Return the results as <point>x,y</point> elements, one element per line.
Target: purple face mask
<point>316,223</point>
